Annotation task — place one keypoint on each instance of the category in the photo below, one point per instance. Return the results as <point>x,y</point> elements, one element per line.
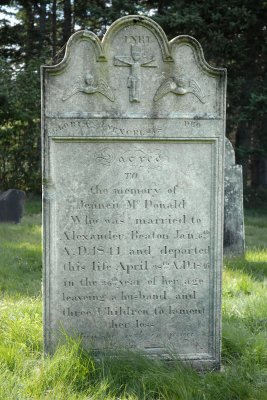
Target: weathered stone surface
<point>11,205</point>
<point>133,138</point>
<point>234,234</point>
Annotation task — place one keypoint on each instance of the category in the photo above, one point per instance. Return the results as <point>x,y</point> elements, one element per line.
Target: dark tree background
<point>232,34</point>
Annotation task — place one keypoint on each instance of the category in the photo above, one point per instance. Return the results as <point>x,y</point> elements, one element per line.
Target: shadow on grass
<point>21,272</point>
<point>33,205</point>
<point>125,374</point>
<point>21,259</point>
<point>256,269</point>
<point>130,375</point>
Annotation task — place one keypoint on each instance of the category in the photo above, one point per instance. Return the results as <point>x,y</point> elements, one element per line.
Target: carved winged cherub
<point>87,85</point>
<point>179,85</point>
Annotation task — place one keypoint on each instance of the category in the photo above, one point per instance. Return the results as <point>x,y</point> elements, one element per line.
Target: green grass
<point>256,229</point>
<point>74,374</point>
<point>21,254</point>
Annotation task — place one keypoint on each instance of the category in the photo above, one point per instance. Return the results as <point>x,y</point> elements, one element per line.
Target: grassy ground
<point>72,374</point>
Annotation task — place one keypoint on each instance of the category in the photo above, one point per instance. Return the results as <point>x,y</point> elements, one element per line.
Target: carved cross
<point>135,62</point>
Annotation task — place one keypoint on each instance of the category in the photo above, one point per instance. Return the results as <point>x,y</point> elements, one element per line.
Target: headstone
<point>133,150</point>
<point>234,235</point>
<point>12,205</point>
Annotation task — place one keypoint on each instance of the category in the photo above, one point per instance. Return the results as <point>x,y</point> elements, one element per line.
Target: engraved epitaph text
<point>133,190</point>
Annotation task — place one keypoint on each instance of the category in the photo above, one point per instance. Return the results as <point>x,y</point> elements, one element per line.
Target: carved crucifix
<point>135,62</point>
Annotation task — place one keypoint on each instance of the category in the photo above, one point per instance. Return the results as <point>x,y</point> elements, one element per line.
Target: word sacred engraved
<point>134,79</point>
<point>132,157</point>
<point>133,195</point>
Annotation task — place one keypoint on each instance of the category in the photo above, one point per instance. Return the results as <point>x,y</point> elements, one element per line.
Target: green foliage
<point>20,129</point>
<point>255,198</point>
<point>233,35</point>
<point>74,374</point>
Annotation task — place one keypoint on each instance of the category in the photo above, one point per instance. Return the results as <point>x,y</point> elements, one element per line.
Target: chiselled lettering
<point>133,136</point>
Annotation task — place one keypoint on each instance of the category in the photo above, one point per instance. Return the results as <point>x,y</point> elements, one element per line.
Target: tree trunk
<point>30,39</point>
<point>243,148</point>
<point>73,17</point>
<point>160,7</point>
<point>259,160</point>
<point>42,21</point>
<point>67,21</point>
<point>54,28</point>
<point>259,172</point>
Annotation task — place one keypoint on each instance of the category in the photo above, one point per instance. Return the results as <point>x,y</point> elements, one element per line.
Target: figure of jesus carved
<point>135,62</point>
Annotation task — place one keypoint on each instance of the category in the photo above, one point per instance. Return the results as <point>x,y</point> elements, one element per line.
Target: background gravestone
<point>234,235</point>
<point>12,205</point>
<point>133,139</point>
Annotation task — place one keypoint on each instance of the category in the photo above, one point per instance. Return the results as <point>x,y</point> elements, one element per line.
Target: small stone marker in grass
<point>12,205</point>
<point>133,139</point>
<point>234,235</point>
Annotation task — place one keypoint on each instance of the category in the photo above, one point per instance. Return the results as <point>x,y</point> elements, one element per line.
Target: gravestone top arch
<point>133,157</point>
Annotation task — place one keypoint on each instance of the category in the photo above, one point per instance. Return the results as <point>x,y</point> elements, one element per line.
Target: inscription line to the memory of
<point>125,268</point>
<point>133,140</point>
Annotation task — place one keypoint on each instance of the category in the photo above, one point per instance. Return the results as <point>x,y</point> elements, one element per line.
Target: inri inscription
<point>132,234</point>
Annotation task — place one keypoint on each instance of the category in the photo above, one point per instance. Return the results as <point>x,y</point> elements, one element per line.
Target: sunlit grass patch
<point>244,290</point>
<point>74,374</point>
<point>21,322</point>
<point>21,256</point>
<point>257,255</point>
<point>256,232</point>
<point>249,265</point>
<point>26,247</point>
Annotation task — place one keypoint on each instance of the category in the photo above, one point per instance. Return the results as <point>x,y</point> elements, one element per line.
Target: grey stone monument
<point>133,161</point>
<point>12,205</point>
<point>234,235</point>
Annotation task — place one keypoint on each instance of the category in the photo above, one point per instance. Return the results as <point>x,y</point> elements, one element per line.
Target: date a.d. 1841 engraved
<point>88,85</point>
